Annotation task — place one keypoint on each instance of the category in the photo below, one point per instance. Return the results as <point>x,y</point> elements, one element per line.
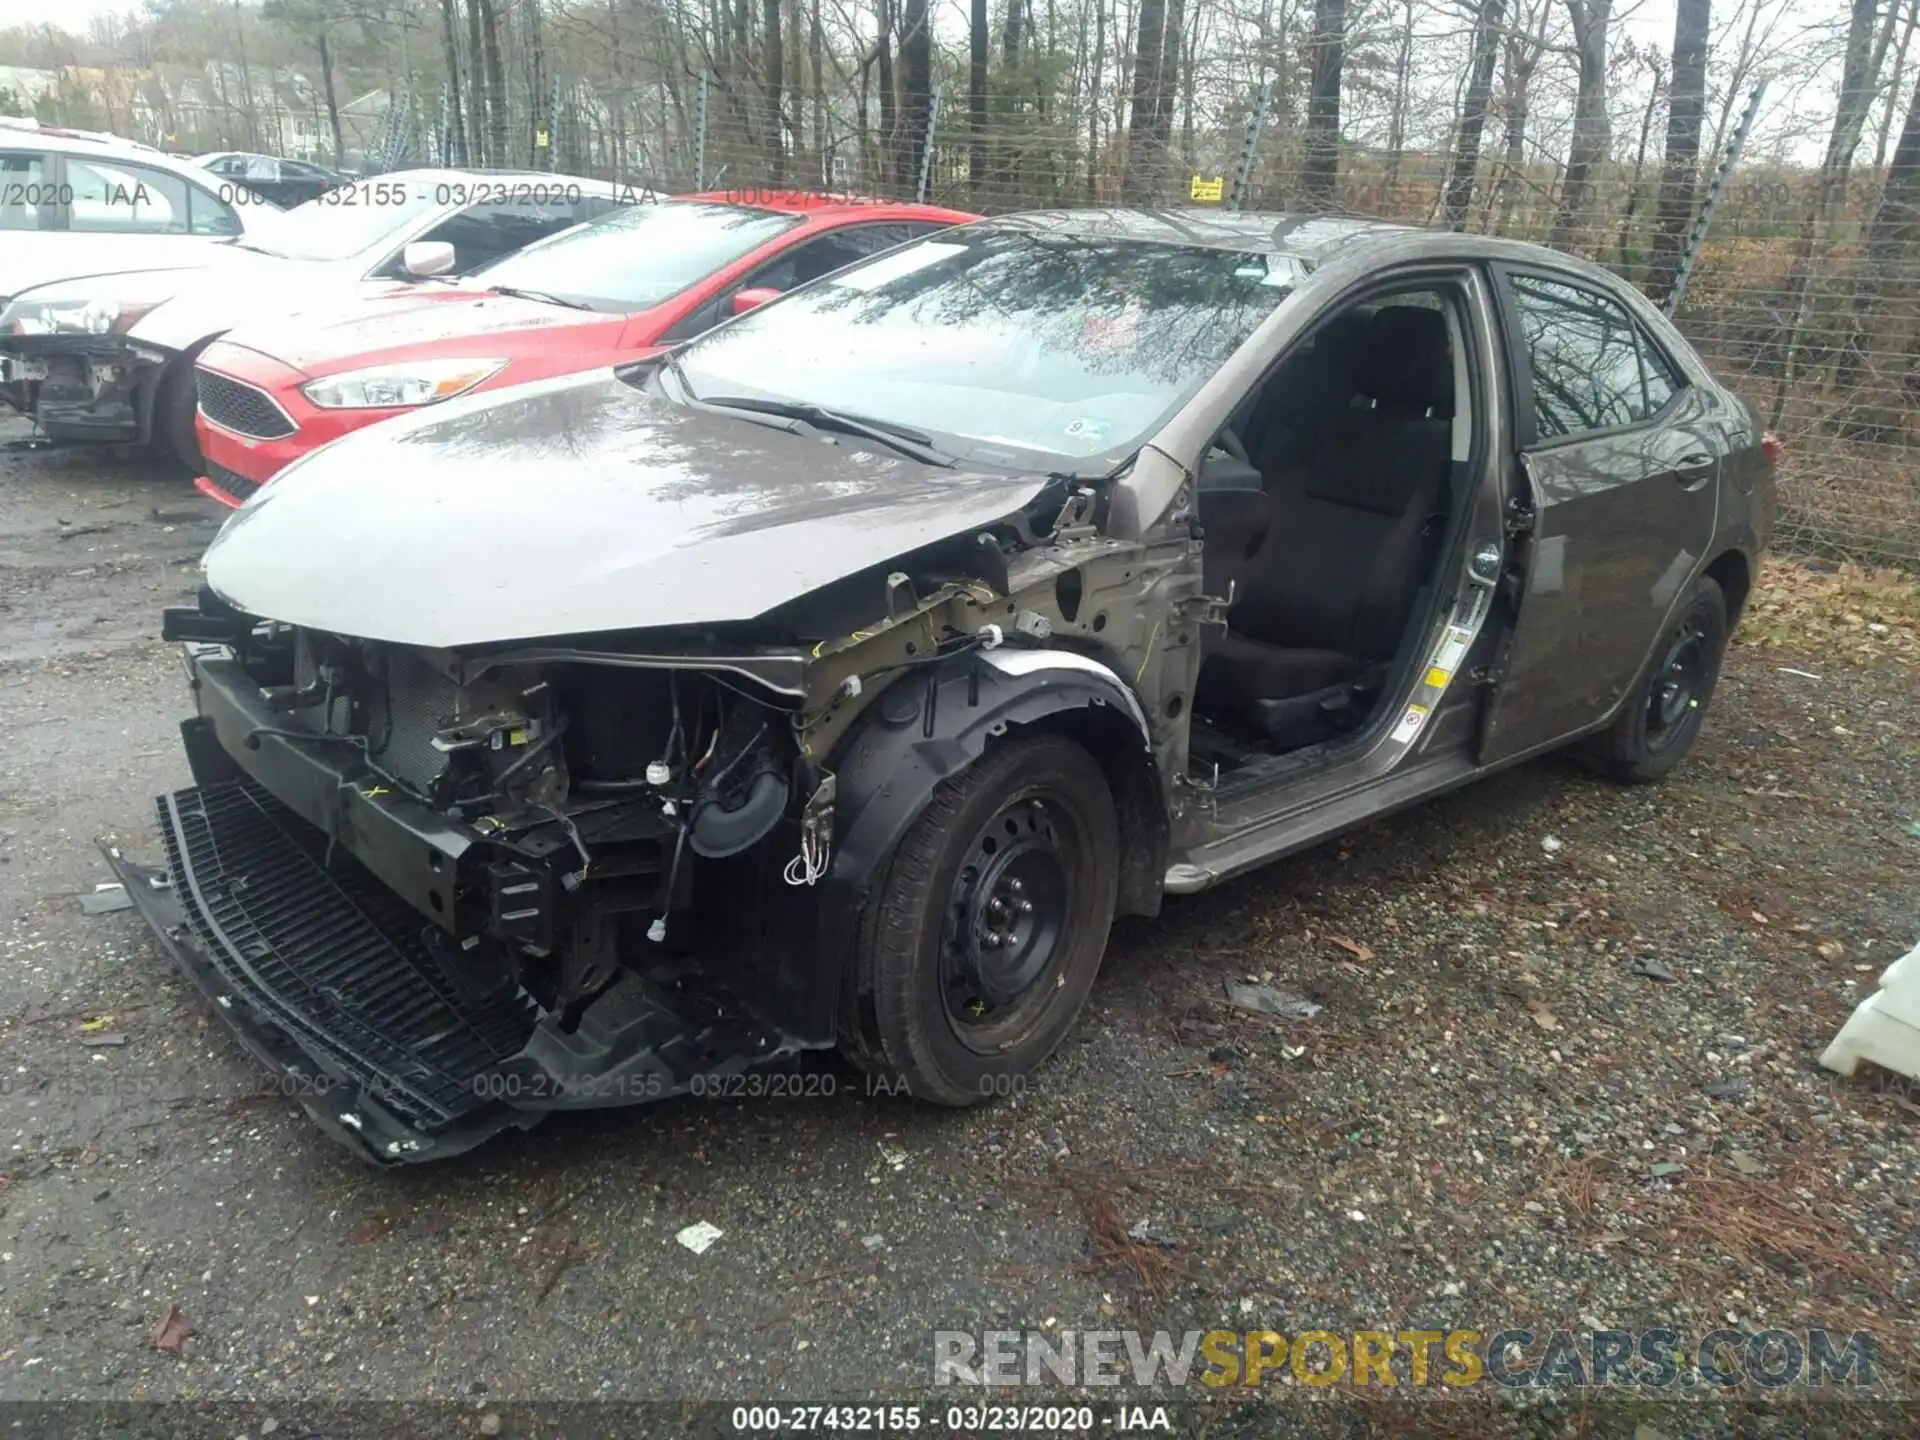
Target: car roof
<point>1312,238</point>
<point>822,203</point>
<point>435,174</point>
<point>13,131</point>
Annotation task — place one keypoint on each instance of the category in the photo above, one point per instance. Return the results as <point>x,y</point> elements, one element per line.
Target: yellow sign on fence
<point>1214,190</point>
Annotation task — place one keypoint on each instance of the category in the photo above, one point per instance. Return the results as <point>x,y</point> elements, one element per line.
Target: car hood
<point>49,257</point>
<point>212,299</point>
<point>358,332</point>
<point>578,505</point>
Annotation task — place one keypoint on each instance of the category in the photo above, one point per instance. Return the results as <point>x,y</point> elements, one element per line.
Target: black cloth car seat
<point>1358,501</point>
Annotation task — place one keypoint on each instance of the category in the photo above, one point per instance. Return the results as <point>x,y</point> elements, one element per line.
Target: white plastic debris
<point>1885,1028</point>
<point>106,899</point>
<point>698,1236</point>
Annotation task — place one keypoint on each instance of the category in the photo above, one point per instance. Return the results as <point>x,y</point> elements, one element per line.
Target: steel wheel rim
<point>1677,687</point>
<point>1005,940</point>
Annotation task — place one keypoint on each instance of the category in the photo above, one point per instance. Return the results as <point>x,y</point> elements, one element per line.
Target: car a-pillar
<point>995,811</point>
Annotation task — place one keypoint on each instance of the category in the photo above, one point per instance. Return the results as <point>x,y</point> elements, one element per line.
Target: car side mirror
<point>753,297</point>
<point>427,257</point>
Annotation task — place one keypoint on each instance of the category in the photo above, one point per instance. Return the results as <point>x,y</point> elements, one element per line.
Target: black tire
<point>936,1007</point>
<point>1661,718</point>
<point>174,403</point>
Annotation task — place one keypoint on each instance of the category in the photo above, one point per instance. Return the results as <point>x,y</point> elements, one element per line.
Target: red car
<point>601,294</point>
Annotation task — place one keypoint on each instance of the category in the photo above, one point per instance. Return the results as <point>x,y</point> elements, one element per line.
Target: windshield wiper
<point>544,295</point>
<point>907,441</point>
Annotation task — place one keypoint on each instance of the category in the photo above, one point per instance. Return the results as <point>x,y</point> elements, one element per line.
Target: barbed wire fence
<point>1805,295</point>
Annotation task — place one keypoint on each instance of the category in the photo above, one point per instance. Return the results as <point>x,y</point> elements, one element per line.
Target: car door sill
<point>1273,836</point>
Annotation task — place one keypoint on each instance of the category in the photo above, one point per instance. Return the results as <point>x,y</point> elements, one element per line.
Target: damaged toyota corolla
<point>837,678</point>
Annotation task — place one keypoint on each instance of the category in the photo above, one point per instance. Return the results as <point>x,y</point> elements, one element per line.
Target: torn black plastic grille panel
<point>331,956</point>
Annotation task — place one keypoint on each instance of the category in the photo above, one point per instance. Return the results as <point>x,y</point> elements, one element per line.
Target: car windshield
<point>639,256</point>
<point>341,223</point>
<point>1008,347</point>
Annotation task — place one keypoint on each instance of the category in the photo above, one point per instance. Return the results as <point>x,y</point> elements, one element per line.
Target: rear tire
<point>980,942</point>
<point>1661,718</point>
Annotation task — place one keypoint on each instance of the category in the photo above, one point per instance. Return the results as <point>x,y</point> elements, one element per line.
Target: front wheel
<point>1662,717</point>
<point>983,937</point>
<point>174,405</point>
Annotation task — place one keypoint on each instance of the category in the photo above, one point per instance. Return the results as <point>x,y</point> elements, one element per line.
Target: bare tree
<point>1143,164</point>
<point>1525,46</point>
<point>977,94</point>
<point>1898,78</point>
<point>1877,327</point>
<point>1320,161</point>
<point>916,92</point>
<point>770,60</point>
<point>1686,110</point>
<point>1850,113</point>
<point>1473,112</point>
<point>1591,130</point>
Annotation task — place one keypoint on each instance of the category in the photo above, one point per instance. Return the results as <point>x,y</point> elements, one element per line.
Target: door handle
<point>1693,471</point>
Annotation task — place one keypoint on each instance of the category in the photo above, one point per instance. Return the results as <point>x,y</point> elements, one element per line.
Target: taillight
<point>1771,447</point>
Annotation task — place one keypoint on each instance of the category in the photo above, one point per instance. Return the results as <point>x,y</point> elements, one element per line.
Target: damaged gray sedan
<point>836,679</point>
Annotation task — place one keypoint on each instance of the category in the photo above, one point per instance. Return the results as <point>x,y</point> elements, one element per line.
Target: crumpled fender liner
<point>934,721</point>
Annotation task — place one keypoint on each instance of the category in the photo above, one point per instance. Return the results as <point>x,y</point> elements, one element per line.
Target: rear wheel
<point>983,937</point>
<point>1662,717</point>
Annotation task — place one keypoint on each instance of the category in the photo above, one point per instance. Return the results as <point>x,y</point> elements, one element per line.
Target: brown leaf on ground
<point>1352,947</point>
<point>1853,614</point>
<point>373,1227</point>
<point>1543,1017</point>
<point>171,1333</point>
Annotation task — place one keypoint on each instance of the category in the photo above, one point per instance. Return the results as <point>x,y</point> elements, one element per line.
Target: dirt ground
<point>1564,1076</point>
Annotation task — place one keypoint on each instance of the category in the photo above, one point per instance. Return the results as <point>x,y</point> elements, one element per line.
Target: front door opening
<point>1352,443</point>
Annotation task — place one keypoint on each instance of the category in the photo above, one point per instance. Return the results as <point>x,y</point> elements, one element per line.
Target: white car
<point>109,357</point>
<point>76,203</point>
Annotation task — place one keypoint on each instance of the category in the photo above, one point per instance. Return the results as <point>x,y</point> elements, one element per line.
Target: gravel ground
<point>1495,1119</point>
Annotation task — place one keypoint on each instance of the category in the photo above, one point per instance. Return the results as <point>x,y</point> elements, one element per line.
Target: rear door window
<point>1591,365</point>
<point>28,196</point>
<point>125,198</point>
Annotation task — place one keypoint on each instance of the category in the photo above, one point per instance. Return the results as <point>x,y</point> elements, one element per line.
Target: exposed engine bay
<point>595,786</point>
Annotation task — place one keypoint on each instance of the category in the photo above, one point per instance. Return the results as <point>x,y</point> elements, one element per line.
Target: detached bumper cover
<point>401,1043</point>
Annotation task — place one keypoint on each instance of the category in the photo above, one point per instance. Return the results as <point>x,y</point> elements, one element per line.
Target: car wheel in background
<point>174,403</point>
<point>984,934</point>
<point>1662,717</point>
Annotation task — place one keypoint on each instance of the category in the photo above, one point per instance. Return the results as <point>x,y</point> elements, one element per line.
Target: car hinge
<point>1075,520</point>
<point>1520,517</point>
<point>1201,609</point>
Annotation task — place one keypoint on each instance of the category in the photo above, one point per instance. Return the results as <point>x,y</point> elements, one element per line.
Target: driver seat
<point>1357,511</point>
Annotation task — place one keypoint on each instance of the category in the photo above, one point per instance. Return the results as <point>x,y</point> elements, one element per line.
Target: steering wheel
<point>1230,442</point>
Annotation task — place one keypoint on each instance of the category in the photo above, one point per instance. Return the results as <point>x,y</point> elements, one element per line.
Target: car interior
<point>1325,513</point>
